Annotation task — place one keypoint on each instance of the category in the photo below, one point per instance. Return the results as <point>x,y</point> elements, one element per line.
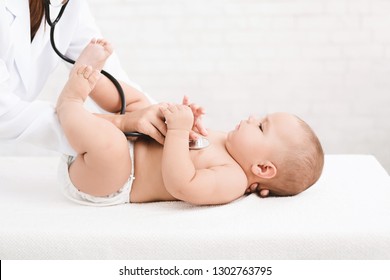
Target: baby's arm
<point>214,185</point>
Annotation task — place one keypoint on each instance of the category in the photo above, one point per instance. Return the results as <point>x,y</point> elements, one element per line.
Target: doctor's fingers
<point>157,131</point>
<point>196,109</point>
<point>198,129</point>
<point>152,123</point>
<point>199,126</point>
<point>198,112</point>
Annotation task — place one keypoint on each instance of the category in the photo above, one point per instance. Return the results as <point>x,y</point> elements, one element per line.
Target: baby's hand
<point>198,113</point>
<point>178,117</point>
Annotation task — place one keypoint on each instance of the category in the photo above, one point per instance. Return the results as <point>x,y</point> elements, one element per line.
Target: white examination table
<point>346,215</point>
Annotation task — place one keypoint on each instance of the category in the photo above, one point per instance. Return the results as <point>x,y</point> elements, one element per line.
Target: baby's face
<point>262,138</point>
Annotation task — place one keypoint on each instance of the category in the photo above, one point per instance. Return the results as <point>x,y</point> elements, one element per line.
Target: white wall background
<point>327,61</point>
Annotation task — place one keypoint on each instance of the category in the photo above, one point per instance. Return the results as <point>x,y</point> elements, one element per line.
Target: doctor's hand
<point>149,121</point>
<point>198,112</point>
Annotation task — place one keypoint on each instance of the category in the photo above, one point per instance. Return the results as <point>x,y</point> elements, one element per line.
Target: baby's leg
<point>94,54</point>
<point>103,163</point>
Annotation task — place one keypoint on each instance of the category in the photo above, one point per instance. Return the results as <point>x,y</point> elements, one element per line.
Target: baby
<point>276,155</point>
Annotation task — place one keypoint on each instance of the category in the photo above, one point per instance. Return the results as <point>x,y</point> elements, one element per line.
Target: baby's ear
<point>265,170</point>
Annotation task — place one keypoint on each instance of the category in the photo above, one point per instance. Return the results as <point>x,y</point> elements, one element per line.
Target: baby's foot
<point>82,80</point>
<point>95,54</point>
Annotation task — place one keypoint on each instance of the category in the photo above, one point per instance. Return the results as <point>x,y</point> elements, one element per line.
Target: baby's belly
<point>148,185</point>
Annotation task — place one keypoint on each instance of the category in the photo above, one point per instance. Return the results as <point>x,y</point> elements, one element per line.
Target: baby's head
<point>280,154</point>
<point>299,161</point>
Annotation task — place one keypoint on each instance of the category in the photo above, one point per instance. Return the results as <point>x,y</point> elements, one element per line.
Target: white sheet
<point>346,215</point>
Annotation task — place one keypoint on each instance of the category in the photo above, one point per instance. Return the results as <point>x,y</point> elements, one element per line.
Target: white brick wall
<point>327,61</point>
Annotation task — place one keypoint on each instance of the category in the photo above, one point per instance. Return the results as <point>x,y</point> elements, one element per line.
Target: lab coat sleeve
<point>32,122</point>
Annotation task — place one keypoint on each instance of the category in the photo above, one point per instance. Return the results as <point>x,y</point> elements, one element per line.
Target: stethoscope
<point>200,143</point>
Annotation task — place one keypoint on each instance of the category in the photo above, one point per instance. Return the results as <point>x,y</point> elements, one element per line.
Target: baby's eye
<point>261,127</point>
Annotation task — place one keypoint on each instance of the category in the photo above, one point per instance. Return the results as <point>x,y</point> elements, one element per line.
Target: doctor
<point>27,59</point>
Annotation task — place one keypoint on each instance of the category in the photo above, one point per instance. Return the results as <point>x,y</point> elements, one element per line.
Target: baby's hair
<point>300,165</point>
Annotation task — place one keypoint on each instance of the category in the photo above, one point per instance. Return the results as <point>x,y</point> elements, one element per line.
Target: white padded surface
<point>346,215</point>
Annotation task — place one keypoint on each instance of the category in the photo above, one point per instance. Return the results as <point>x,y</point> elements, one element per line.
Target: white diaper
<point>70,191</point>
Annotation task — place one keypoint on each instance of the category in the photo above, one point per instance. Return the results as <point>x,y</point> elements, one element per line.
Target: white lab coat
<point>25,67</point>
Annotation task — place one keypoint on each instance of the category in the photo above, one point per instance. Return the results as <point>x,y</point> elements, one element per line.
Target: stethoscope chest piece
<point>199,143</point>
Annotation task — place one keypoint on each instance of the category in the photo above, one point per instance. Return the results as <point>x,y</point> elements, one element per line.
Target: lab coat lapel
<point>4,31</point>
<point>41,39</point>
<point>20,32</point>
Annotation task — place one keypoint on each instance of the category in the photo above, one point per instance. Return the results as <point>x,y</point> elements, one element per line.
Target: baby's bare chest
<point>213,155</point>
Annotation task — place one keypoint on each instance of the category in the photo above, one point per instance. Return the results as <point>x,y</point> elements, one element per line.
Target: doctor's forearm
<point>128,122</point>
